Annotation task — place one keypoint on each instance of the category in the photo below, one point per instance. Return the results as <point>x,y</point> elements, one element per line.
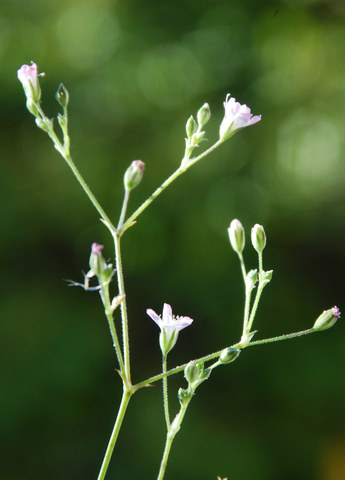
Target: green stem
<point>211,356</point>
<point>257,296</point>
<point>165,184</point>
<point>124,208</point>
<point>124,316</point>
<point>64,152</point>
<point>165,394</point>
<point>104,292</point>
<point>118,422</point>
<point>170,438</point>
<point>243,268</point>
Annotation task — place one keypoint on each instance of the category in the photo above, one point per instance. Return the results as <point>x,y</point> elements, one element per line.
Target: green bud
<point>203,115</point>
<point>184,396</point>
<point>62,96</point>
<point>134,174</point>
<point>44,125</point>
<point>193,372</point>
<point>327,319</point>
<point>228,355</point>
<point>258,238</point>
<point>191,127</point>
<point>236,235</point>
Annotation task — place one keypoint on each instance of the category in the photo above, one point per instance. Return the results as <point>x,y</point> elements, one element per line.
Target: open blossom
<point>236,116</point>
<point>170,327</point>
<point>28,76</point>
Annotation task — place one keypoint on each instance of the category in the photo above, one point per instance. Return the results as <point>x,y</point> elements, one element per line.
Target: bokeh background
<point>136,70</point>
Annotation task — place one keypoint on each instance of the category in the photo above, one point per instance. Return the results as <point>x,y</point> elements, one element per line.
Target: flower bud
<point>184,396</point>
<point>258,238</point>
<point>327,319</point>
<point>62,95</point>
<point>228,355</point>
<point>134,174</point>
<point>191,127</point>
<point>203,115</point>
<point>97,263</point>
<point>28,77</point>
<point>193,372</point>
<point>236,235</point>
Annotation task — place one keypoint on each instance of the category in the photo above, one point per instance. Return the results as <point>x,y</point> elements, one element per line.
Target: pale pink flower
<point>169,325</point>
<point>28,76</point>
<point>236,116</point>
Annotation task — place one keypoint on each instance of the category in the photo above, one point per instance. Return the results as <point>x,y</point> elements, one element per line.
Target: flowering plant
<point>196,371</point>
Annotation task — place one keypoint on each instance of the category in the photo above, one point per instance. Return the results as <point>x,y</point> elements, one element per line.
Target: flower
<point>28,77</point>
<point>236,116</point>
<point>170,327</point>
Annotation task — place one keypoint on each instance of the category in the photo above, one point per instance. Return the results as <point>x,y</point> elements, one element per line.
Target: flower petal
<point>156,318</point>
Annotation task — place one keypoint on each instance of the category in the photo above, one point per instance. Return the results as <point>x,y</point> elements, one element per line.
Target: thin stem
<point>165,184</point>
<point>249,290</point>
<point>170,438</point>
<point>165,394</point>
<point>118,422</point>
<point>124,208</point>
<point>163,466</point>
<point>64,152</point>
<point>281,337</point>
<point>104,292</point>
<point>243,267</point>
<point>124,316</point>
<point>211,356</point>
<point>257,296</point>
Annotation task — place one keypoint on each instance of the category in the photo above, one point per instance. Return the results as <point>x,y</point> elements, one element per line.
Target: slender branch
<point>126,396</point>
<point>175,427</point>
<point>64,152</point>
<point>165,394</point>
<point>124,208</point>
<point>165,184</point>
<point>104,293</point>
<point>124,316</point>
<point>211,356</point>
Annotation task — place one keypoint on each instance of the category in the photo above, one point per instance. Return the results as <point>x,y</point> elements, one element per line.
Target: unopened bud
<point>134,174</point>
<point>258,238</point>
<point>193,372</point>
<point>184,396</point>
<point>236,235</point>
<point>191,127</point>
<point>327,319</point>
<point>97,263</point>
<point>62,95</point>
<point>203,115</point>
<point>228,355</point>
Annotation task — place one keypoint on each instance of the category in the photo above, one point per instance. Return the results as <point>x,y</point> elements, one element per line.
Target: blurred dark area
<point>135,71</point>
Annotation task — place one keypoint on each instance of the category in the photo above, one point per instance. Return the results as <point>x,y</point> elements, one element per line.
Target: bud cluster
<point>195,374</point>
<point>194,131</point>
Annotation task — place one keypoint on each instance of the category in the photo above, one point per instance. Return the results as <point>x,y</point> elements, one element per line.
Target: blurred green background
<point>135,71</point>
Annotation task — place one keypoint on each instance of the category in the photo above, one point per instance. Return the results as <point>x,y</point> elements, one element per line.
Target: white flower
<point>236,116</point>
<point>170,327</point>
<point>28,76</point>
